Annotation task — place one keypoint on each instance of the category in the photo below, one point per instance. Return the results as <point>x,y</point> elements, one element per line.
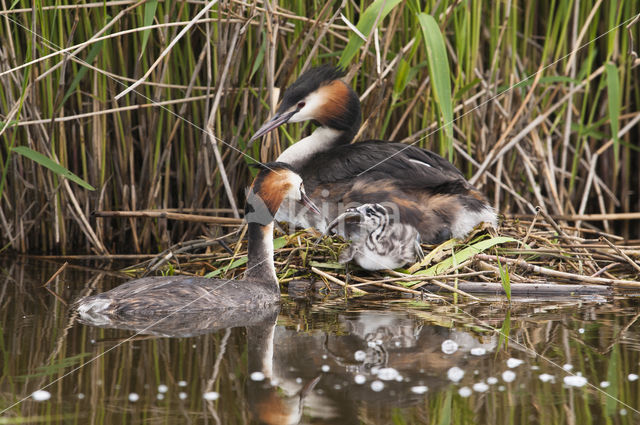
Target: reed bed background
<point>539,119</point>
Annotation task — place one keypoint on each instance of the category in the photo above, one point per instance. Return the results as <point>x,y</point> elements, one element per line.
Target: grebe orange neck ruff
<point>159,296</point>
<point>421,189</point>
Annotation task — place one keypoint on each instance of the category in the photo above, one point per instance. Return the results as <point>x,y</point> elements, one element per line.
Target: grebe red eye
<point>301,105</point>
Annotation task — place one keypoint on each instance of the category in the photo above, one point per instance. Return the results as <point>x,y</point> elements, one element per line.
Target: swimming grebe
<point>159,296</point>
<point>425,190</point>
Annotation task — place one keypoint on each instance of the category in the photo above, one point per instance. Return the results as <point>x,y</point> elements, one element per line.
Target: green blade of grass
<point>95,50</point>
<point>365,26</point>
<point>439,71</point>
<point>51,164</point>
<point>613,89</point>
<point>505,280</point>
<point>149,13</point>
<point>464,254</point>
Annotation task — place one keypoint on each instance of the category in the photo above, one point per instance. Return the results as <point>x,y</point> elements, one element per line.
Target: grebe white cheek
<point>162,296</point>
<point>431,194</point>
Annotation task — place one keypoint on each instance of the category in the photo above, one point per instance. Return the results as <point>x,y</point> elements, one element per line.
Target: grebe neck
<point>321,140</point>
<point>260,265</point>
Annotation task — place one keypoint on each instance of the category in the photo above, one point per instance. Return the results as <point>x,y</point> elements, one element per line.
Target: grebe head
<point>274,183</point>
<point>319,95</point>
<point>368,217</point>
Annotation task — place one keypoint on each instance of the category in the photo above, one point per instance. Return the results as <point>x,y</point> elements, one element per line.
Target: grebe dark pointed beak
<point>308,203</point>
<point>272,124</point>
<point>347,216</point>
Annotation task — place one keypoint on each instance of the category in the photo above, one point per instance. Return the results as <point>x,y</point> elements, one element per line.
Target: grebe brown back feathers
<point>159,296</point>
<point>423,189</point>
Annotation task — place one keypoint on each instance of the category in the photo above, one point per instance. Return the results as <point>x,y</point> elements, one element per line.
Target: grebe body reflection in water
<point>159,296</point>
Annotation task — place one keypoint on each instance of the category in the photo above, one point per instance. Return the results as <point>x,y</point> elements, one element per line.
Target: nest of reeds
<point>532,256</point>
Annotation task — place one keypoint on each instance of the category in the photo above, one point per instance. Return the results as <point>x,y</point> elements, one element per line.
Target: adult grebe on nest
<point>418,188</point>
<point>159,296</point>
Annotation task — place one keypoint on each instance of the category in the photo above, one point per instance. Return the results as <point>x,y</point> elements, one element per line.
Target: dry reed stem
<point>559,274</point>
<point>338,281</point>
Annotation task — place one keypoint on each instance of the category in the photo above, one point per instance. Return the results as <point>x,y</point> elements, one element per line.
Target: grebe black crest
<point>159,296</point>
<point>427,192</point>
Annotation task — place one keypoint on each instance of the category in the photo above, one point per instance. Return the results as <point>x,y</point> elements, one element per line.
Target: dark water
<point>320,362</point>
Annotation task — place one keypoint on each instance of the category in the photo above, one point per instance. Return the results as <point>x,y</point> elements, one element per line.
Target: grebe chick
<point>159,296</point>
<point>375,243</point>
<point>428,192</point>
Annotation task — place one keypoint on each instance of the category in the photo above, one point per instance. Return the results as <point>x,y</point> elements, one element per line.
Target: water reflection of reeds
<point>41,342</point>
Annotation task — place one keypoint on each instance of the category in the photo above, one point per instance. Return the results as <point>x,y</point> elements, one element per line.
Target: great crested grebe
<point>158,296</point>
<point>418,187</point>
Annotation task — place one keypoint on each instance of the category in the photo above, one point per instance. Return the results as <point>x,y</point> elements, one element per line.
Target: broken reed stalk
<point>558,274</point>
<point>622,254</point>
<point>442,285</point>
<point>338,281</point>
<point>222,221</point>
<point>96,139</point>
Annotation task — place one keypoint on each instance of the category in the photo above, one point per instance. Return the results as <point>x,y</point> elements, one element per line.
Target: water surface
<point>569,360</point>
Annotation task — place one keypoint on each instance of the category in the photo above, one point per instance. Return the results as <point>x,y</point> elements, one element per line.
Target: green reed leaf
<point>52,165</point>
<point>440,76</point>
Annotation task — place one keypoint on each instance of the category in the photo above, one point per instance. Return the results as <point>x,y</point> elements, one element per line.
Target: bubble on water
<point>257,376</point>
<point>480,387</point>
<point>581,330</point>
<point>80,396</point>
<point>512,363</point>
<point>211,395</point>
<point>455,374</point>
<point>465,392</point>
<point>360,356</point>
<point>182,383</point>
<point>449,346</point>
<point>419,389</point>
<point>388,374</point>
<point>133,397</point>
<point>478,351</point>
<point>568,367</point>
<point>501,388</point>
<point>535,367</point>
<point>377,386</point>
<point>371,344</point>
<point>508,376</point>
<point>604,384</point>
<point>324,357</point>
<point>298,380</point>
<point>492,380</point>
<point>360,379</point>
<point>575,381</point>
<point>160,396</point>
<point>623,412</point>
<point>545,377</point>
<point>632,377</point>
<point>162,388</point>
<point>41,395</point>
<point>325,368</point>
<point>182,395</point>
